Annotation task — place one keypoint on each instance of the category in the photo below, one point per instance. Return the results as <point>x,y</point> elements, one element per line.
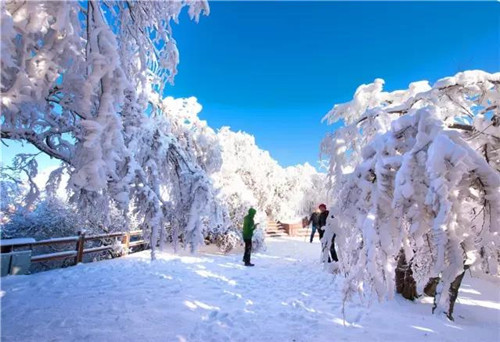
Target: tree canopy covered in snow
<point>83,82</point>
<point>416,170</point>
<point>249,176</point>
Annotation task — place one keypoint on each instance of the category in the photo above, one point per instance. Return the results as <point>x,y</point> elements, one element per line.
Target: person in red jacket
<point>322,220</point>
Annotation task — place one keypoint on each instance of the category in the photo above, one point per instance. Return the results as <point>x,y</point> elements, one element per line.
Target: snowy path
<point>210,297</point>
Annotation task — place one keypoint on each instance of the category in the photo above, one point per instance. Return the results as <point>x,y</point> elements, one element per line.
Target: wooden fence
<point>80,250</point>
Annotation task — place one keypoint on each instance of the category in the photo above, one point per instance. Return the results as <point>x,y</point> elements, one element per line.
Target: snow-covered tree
<point>83,82</point>
<point>302,189</point>
<point>15,194</point>
<point>249,176</point>
<point>194,135</point>
<point>11,197</point>
<point>416,174</point>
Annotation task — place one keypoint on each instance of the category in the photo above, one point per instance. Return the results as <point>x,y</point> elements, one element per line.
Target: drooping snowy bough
<point>415,178</point>
<point>83,82</point>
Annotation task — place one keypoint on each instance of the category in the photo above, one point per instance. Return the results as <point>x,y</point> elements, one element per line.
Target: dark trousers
<point>321,231</point>
<point>248,251</point>
<point>313,230</point>
<point>333,252</point>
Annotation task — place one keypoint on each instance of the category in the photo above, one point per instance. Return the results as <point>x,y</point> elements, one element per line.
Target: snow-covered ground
<point>213,297</point>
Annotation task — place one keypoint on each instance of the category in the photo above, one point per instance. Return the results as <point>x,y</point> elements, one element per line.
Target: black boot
<point>249,264</point>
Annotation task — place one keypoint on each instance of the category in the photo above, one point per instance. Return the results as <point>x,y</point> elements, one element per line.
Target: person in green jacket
<point>248,228</point>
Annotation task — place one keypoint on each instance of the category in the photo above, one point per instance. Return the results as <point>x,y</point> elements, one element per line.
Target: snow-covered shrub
<point>417,170</point>
<point>258,240</point>
<point>227,241</point>
<point>50,218</point>
<point>54,218</point>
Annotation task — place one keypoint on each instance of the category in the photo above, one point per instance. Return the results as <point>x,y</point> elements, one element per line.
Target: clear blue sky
<point>274,69</point>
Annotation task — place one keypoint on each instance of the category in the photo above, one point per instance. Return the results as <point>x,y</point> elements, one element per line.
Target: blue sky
<point>273,69</point>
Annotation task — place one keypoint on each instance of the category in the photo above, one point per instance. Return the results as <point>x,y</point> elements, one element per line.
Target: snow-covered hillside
<point>213,297</point>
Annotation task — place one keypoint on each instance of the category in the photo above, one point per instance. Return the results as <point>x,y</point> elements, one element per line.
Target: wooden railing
<point>80,249</point>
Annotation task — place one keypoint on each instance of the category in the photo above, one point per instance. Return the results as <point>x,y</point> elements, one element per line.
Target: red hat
<point>322,205</point>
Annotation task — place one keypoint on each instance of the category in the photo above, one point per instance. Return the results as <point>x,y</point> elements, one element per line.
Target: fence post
<point>79,247</point>
<point>126,242</point>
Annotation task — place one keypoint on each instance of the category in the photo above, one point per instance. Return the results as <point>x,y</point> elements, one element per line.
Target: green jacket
<point>248,224</point>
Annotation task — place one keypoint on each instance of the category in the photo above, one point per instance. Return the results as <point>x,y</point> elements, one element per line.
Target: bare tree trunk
<point>430,290</point>
<point>405,283</point>
<point>455,285</point>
